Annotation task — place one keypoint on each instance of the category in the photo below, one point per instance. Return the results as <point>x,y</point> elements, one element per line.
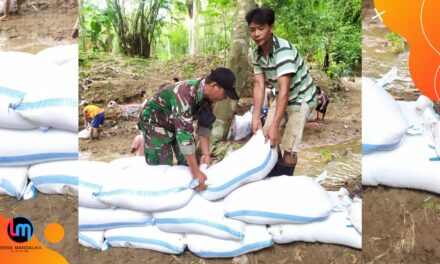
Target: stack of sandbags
<point>412,159</point>
<point>127,203</point>
<point>95,216</point>
<point>38,115</point>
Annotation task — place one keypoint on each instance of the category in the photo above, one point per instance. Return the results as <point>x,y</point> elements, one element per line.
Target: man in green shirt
<point>167,120</point>
<point>278,61</point>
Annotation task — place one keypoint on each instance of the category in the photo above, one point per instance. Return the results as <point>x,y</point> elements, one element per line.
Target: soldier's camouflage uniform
<point>167,122</point>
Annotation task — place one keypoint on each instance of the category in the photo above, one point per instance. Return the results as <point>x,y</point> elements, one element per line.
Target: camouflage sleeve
<point>206,119</point>
<point>181,103</point>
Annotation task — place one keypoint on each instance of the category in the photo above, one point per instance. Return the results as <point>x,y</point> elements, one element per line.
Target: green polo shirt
<point>283,58</point>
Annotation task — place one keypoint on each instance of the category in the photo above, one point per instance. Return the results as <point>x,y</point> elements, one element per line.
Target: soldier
<point>167,120</point>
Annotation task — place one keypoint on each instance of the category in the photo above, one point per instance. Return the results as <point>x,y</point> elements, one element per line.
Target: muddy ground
<point>103,80</point>
<point>42,24</point>
<point>400,225</point>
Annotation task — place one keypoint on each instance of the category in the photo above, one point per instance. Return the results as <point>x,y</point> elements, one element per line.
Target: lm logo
<point>20,229</point>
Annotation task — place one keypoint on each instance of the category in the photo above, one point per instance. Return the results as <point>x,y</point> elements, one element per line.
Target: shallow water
<point>28,45</point>
<point>378,56</point>
<point>344,165</point>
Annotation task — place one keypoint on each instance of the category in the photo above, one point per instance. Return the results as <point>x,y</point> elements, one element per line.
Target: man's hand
<point>202,178</point>
<point>273,134</point>
<point>256,124</point>
<point>206,159</point>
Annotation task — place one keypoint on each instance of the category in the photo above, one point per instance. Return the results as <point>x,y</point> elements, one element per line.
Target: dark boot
<point>282,168</point>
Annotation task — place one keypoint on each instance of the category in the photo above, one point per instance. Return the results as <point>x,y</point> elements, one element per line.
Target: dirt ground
<point>42,24</point>
<point>400,225</point>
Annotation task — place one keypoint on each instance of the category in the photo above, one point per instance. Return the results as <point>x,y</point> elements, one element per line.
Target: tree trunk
<point>238,64</point>
<point>193,29</point>
<point>136,35</point>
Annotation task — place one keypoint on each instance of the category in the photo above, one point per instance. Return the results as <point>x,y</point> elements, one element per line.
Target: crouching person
<point>167,120</point>
<point>96,115</point>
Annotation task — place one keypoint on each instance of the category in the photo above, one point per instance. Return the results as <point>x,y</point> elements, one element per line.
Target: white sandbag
<point>127,162</point>
<point>418,114</point>
<point>13,181</point>
<point>92,176</point>
<point>279,200</point>
<point>255,238</point>
<point>149,188</point>
<point>11,6</point>
<point>146,237</point>
<point>69,74</point>
<point>422,103</point>
<point>250,163</point>
<point>412,165</point>
<point>102,219</point>
<point>383,123</point>
<point>50,108</point>
<point>414,118</point>
<point>30,192</point>
<point>200,216</point>
<point>58,177</point>
<point>84,134</point>
<point>356,214</point>
<point>60,54</point>
<point>431,127</point>
<point>432,136</point>
<point>25,147</point>
<point>21,73</point>
<point>241,126</point>
<point>92,239</point>
<point>338,228</point>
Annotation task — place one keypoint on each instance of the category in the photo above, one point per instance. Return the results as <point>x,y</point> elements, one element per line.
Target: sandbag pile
<point>127,203</point>
<point>411,157</point>
<point>38,123</point>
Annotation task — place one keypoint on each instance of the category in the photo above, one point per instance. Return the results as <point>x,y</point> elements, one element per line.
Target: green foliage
<point>319,29</point>
<point>397,42</point>
<point>431,206</point>
<point>189,68</point>
<point>326,155</point>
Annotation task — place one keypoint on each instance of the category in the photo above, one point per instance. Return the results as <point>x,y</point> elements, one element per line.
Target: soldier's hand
<point>206,159</point>
<point>202,178</point>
